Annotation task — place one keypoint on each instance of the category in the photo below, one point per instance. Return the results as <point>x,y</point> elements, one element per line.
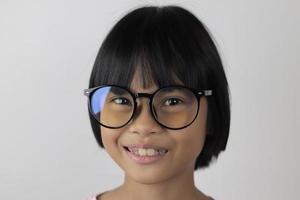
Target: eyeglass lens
<point>173,107</point>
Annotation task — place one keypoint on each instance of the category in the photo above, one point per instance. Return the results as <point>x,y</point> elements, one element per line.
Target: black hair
<point>167,43</point>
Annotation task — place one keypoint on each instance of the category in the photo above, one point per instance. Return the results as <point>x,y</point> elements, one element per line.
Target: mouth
<point>146,151</point>
<point>142,154</point>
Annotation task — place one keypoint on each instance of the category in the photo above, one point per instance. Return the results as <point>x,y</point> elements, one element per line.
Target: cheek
<point>110,139</point>
<point>191,140</point>
<point>191,146</point>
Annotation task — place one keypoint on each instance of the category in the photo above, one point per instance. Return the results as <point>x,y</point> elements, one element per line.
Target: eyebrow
<point>167,89</point>
<point>171,89</point>
<point>117,91</point>
<point>135,92</point>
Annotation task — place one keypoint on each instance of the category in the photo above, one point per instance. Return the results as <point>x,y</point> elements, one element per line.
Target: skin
<point>171,178</point>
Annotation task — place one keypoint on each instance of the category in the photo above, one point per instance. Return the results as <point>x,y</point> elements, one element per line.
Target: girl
<point>159,103</point>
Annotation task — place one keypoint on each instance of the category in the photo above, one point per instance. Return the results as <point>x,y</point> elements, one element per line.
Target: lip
<point>144,159</point>
<point>144,146</point>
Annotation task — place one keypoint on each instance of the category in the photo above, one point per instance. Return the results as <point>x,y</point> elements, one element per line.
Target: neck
<point>174,188</point>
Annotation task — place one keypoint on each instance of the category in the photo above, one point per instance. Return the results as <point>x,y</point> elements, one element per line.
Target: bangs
<point>156,43</point>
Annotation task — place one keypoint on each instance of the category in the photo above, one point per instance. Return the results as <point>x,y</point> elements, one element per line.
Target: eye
<point>172,101</point>
<point>121,101</point>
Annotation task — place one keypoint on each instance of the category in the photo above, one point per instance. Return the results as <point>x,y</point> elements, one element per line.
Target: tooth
<point>147,152</point>
<point>162,151</point>
<point>142,152</point>
<point>151,152</point>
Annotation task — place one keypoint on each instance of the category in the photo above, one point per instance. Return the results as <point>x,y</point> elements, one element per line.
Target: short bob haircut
<point>164,44</point>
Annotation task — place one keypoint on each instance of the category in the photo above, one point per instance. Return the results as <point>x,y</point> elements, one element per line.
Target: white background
<point>47,49</point>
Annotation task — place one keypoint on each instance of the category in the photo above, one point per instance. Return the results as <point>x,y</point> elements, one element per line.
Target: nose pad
<point>140,107</point>
<point>143,120</point>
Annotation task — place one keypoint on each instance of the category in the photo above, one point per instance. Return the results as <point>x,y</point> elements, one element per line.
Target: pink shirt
<point>95,197</point>
<point>92,198</point>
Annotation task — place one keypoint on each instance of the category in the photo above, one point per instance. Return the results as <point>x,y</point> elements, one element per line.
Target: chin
<point>149,176</point>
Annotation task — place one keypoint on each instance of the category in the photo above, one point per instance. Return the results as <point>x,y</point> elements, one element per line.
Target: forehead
<point>142,82</point>
<point>145,81</point>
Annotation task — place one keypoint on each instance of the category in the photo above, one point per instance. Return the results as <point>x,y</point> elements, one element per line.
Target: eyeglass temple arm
<point>87,92</point>
<point>205,92</point>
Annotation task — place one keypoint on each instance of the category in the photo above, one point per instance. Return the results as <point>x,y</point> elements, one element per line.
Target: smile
<point>143,155</point>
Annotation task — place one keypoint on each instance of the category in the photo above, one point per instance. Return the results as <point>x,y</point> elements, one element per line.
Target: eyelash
<point>122,99</point>
<point>179,101</point>
<point>164,102</point>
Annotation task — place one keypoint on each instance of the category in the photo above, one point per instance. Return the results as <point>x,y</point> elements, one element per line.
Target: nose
<point>143,122</point>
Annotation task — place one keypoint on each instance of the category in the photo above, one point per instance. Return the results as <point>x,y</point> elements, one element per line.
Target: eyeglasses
<point>173,107</point>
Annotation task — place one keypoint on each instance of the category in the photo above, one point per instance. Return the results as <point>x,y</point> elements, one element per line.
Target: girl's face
<point>183,145</point>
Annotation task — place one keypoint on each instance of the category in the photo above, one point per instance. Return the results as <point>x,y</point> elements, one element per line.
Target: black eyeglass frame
<point>198,94</point>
